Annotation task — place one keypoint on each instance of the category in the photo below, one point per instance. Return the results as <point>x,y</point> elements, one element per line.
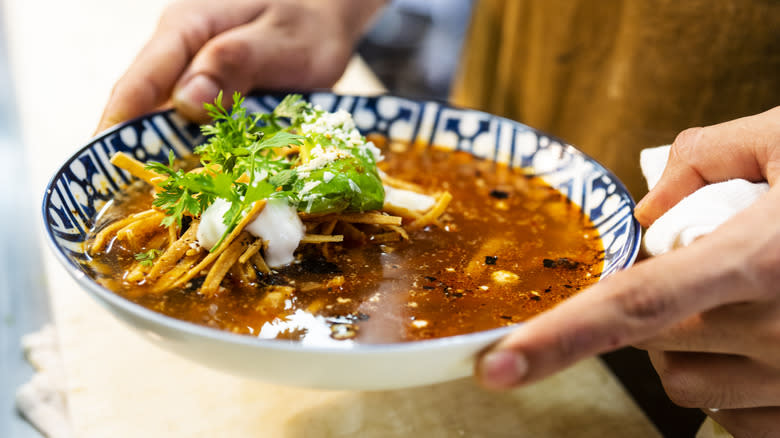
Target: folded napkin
<point>696,215</point>
<point>699,213</point>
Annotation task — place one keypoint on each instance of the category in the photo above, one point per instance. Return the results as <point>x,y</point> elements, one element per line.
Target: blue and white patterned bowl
<point>87,180</point>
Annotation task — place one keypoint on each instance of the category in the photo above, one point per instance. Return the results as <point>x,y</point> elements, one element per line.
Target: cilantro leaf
<point>283,178</point>
<point>292,106</point>
<point>146,258</point>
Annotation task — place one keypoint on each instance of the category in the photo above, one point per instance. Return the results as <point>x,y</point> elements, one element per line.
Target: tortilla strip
<point>259,263</point>
<point>352,233</point>
<point>135,168</point>
<point>257,207</point>
<point>141,227</point>
<point>322,238</point>
<point>243,273</point>
<point>102,237</point>
<point>328,227</point>
<point>400,184</point>
<point>251,250</point>
<point>222,265</point>
<point>136,273</point>
<point>401,211</point>
<point>390,236</point>
<point>167,279</point>
<point>175,251</point>
<point>432,214</point>
<point>173,233</point>
<point>372,217</point>
<point>399,230</point>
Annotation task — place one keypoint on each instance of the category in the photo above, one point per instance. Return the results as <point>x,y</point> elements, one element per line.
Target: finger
<point>723,330</point>
<point>279,50</point>
<point>756,422</point>
<point>702,380</point>
<point>183,29</point>
<point>742,148</point>
<point>728,266</point>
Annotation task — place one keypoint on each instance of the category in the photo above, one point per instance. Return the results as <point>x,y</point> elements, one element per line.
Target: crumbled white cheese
<point>408,199</point>
<point>278,225</point>
<point>327,176</point>
<point>320,157</point>
<point>352,185</point>
<point>375,151</point>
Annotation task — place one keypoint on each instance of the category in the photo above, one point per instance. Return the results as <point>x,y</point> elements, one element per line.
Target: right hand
<point>202,46</point>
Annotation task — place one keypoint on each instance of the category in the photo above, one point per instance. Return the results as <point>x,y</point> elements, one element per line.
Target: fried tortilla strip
<point>372,217</point>
<point>257,207</point>
<point>135,230</point>
<point>390,236</point>
<point>260,263</point>
<point>136,273</point>
<point>244,273</point>
<point>400,184</point>
<point>167,279</point>
<point>322,238</point>
<point>173,233</point>
<point>251,250</point>
<point>399,230</point>
<point>222,265</point>
<point>175,251</point>
<point>432,214</point>
<point>401,211</point>
<point>351,233</point>
<point>102,237</point>
<point>135,168</point>
<point>328,227</point>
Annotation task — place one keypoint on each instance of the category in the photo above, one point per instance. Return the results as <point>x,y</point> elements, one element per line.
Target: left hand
<point>709,314</point>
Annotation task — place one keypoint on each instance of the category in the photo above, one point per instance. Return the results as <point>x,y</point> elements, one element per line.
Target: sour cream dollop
<point>278,225</point>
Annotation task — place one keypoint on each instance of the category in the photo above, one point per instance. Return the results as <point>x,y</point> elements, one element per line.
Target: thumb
<point>743,148</point>
<point>268,53</point>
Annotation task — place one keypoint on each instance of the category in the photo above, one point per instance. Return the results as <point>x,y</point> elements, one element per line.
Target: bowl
<point>87,180</point>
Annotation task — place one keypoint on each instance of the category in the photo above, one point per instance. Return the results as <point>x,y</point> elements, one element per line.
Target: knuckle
<point>686,145</point>
<point>687,139</point>
<point>231,55</point>
<point>645,305</point>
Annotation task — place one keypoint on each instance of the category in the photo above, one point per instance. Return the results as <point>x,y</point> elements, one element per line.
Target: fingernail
<point>502,369</point>
<point>190,97</point>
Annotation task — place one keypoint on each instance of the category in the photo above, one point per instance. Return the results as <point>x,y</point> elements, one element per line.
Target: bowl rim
<point>105,296</point>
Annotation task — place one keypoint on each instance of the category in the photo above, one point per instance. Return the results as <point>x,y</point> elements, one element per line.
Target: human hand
<point>203,46</point>
<point>709,314</point>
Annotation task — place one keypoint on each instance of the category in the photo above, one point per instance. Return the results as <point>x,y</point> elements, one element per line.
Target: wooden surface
<point>65,57</point>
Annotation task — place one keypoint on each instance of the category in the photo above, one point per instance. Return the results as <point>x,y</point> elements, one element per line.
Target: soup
<point>511,247</point>
<point>490,246</point>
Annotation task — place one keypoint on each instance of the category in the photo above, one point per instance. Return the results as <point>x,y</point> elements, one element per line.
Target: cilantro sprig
<point>237,147</point>
<point>244,160</point>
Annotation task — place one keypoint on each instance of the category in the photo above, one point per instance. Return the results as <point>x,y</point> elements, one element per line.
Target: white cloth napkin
<point>699,213</point>
<point>696,215</point>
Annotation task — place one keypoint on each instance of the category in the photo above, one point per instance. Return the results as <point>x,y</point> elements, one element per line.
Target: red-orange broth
<point>511,247</point>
